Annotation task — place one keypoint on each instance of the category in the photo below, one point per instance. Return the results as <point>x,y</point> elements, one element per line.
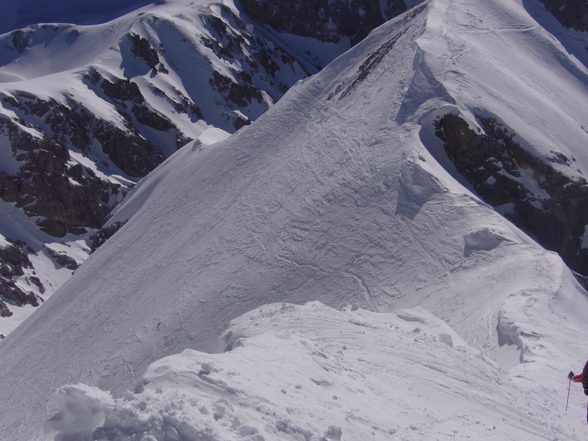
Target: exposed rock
<point>141,48</point>
<point>4,312</point>
<point>494,164</point>
<point>62,259</point>
<point>13,260</point>
<point>327,20</point>
<point>240,93</point>
<point>231,39</point>
<point>226,42</point>
<point>131,152</point>
<point>19,40</point>
<point>43,187</point>
<point>146,115</point>
<point>185,105</point>
<point>8,188</point>
<point>570,13</point>
<point>37,282</point>
<point>240,122</point>
<point>119,89</point>
<point>9,291</point>
<point>101,236</point>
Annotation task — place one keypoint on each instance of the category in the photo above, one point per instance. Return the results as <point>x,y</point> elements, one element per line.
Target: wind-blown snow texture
<point>334,195</point>
<point>111,101</point>
<point>310,372</point>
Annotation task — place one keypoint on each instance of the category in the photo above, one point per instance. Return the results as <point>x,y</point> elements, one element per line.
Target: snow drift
<point>336,195</point>
<point>314,373</point>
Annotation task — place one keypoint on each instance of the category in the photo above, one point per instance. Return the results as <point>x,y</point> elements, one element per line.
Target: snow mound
<point>213,135</point>
<point>81,412</point>
<point>484,239</point>
<point>314,373</point>
<point>417,186</point>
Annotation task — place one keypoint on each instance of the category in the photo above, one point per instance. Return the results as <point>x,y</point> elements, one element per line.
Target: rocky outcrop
<point>141,48</point>
<point>62,259</point>
<point>239,93</point>
<point>102,235</point>
<point>327,20</point>
<point>255,84</point>
<point>572,14</point>
<point>19,40</point>
<point>67,198</point>
<point>507,176</point>
<point>13,260</point>
<point>128,149</point>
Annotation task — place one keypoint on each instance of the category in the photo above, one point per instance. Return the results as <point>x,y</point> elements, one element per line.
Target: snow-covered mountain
<point>87,110</point>
<point>90,106</point>
<point>438,318</point>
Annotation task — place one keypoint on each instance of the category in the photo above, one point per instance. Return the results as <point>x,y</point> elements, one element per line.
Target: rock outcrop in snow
<point>531,192</point>
<point>570,13</point>
<point>327,20</point>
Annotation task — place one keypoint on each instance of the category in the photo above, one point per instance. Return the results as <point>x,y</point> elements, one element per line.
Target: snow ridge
<point>357,375</point>
<point>86,110</point>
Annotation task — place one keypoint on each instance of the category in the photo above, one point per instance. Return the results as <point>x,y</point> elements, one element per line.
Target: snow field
<point>314,373</point>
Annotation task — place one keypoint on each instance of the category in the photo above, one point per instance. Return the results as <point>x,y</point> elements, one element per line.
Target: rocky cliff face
<point>572,14</point>
<point>66,196</point>
<point>529,191</point>
<point>327,20</point>
<point>13,260</point>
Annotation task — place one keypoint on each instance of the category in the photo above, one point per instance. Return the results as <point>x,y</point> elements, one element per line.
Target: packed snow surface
<point>54,63</point>
<point>335,195</point>
<point>313,373</point>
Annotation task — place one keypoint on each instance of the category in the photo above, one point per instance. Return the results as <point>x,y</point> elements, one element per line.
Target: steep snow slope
<point>569,27</point>
<point>530,84</point>
<point>333,195</point>
<point>518,130</point>
<point>85,111</point>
